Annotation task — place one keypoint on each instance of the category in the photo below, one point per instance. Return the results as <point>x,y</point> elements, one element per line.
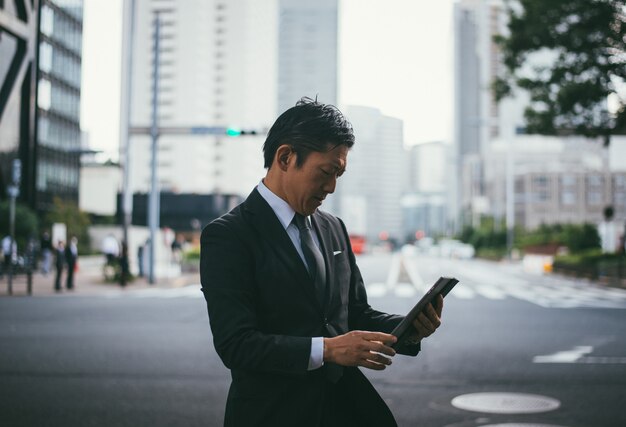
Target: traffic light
<point>232,131</point>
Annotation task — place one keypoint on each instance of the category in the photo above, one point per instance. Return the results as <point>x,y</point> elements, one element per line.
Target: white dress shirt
<point>285,215</point>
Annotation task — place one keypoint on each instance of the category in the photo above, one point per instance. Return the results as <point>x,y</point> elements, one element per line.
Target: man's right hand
<point>360,348</point>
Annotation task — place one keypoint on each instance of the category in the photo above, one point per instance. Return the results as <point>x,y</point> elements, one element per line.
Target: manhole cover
<point>505,403</point>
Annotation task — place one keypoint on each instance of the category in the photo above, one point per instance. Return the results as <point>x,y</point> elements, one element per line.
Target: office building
<point>217,68</point>
<point>368,196</point>
<point>58,102</point>
<point>425,205</point>
<point>559,180</point>
<point>307,51</point>
<point>44,135</point>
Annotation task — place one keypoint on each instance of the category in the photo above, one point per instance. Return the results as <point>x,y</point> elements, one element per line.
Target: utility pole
<point>126,155</point>
<point>14,192</point>
<point>153,202</point>
<point>510,193</point>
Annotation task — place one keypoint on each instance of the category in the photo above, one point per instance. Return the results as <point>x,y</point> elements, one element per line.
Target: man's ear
<point>284,155</point>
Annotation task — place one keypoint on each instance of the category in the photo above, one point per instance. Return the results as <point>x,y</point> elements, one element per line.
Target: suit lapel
<point>271,230</point>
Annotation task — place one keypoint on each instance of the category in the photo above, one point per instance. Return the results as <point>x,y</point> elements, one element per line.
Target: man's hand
<point>427,322</point>
<point>360,348</point>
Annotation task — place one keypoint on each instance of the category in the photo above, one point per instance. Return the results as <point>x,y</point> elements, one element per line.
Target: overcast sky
<point>394,55</point>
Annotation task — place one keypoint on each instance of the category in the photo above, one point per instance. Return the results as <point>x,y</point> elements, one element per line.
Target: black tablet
<point>405,328</point>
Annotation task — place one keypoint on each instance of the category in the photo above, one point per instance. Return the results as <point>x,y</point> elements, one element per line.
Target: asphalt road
<point>146,358</point>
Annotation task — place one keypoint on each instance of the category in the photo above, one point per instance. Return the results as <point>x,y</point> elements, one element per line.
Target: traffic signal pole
<point>153,202</point>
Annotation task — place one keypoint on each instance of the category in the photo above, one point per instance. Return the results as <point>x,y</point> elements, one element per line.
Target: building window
<point>47,20</point>
<point>44,98</point>
<point>568,198</point>
<point>541,196</point>
<point>594,198</point>
<point>568,180</point>
<point>594,180</point>
<point>45,57</point>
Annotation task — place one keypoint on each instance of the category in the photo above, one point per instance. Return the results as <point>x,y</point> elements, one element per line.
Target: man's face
<point>307,186</point>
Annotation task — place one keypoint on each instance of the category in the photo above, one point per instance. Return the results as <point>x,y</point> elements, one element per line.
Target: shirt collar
<point>281,208</point>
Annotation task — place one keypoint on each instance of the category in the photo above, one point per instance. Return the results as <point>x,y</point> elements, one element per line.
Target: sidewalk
<point>89,281</point>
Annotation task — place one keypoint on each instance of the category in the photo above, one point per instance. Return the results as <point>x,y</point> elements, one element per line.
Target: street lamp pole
<point>153,202</point>
<point>127,195</point>
<point>14,191</point>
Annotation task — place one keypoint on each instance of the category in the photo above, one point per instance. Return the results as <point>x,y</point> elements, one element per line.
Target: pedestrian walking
<point>46,253</point>
<point>110,249</point>
<point>9,251</point>
<point>71,258</point>
<point>59,264</point>
<point>140,261</point>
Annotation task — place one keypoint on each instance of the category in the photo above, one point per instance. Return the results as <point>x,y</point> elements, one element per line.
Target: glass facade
<point>58,102</point>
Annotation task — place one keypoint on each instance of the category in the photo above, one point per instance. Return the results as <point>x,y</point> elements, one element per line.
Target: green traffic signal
<point>233,131</point>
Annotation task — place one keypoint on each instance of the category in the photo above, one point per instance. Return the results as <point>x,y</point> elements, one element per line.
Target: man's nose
<point>329,186</point>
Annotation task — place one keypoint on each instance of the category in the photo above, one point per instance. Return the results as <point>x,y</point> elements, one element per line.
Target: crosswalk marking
<point>408,277</point>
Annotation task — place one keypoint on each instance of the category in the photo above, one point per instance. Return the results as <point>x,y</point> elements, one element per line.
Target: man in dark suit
<point>71,257</point>
<point>286,301</point>
<point>59,264</point>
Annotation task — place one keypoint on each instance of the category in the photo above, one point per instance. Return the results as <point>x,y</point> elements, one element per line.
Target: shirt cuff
<point>316,359</point>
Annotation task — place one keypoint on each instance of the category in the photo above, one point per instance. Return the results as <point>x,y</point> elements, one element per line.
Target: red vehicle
<point>358,244</point>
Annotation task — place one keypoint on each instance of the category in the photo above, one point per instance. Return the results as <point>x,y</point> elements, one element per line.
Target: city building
<point>307,51</point>
<point>100,184</point>
<point>369,196</point>
<point>558,180</point>
<point>425,205</point>
<point>40,73</point>
<point>217,68</point>
<point>58,103</point>
<point>479,119</point>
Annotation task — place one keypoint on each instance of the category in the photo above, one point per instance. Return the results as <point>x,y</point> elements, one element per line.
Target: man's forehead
<point>337,158</point>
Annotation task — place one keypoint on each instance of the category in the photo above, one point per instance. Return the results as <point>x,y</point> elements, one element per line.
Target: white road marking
<point>579,355</point>
<point>568,356</point>
<point>490,292</point>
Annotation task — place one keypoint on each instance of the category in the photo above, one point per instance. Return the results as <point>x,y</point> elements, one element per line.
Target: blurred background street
<point>144,356</point>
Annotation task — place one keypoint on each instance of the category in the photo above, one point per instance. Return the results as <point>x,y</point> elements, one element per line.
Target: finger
<point>372,365</point>
<point>425,322</point>
<point>439,307</point>
<point>381,348</point>
<point>379,336</point>
<point>378,358</point>
<point>432,316</point>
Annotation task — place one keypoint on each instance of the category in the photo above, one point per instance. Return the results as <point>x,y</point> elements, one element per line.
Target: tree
<point>76,221</point>
<point>26,224</point>
<point>587,41</point>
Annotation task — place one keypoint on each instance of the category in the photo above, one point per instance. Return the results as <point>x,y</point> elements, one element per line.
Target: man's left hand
<point>427,322</point>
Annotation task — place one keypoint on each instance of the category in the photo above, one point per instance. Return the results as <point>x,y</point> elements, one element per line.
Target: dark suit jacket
<point>263,312</point>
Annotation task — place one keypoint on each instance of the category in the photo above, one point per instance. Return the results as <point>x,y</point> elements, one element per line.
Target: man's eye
<point>324,172</point>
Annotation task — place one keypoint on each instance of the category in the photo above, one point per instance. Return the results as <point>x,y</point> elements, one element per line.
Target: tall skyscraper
<point>368,196</point>
<point>479,119</point>
<point>58,102</point>
<point>218,67</point>
<point>307,51</point>
<point>45,136</point>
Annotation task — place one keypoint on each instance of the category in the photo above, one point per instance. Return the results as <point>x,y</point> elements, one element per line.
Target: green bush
<point>26,223</point>
<point>489,238</point>
<point>192,255</point>
<point>76,221</point>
